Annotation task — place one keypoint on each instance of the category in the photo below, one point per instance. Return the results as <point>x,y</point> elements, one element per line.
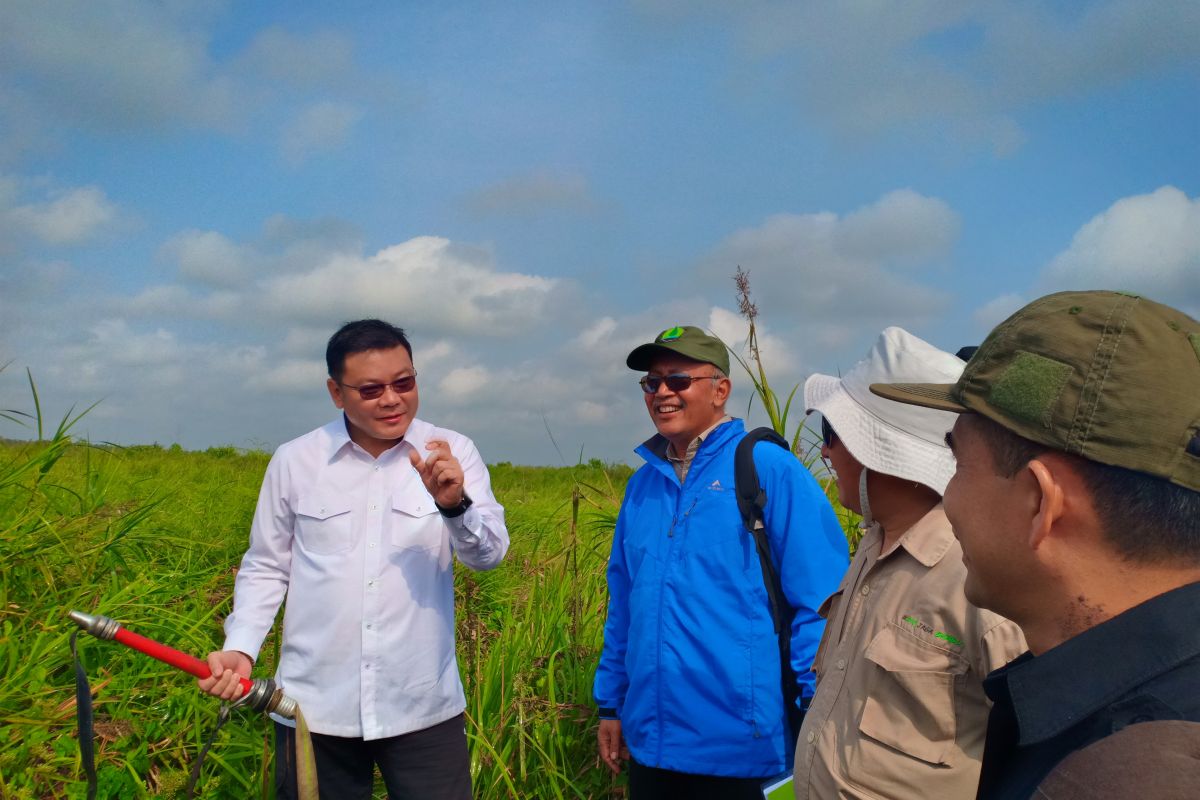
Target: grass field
<point>151,537</point>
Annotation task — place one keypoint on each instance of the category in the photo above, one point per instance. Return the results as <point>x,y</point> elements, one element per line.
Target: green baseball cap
<point>684,340</point>
<point>1109,376</point>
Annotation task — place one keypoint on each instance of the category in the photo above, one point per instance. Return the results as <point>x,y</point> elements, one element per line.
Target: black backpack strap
<point>752,501</point>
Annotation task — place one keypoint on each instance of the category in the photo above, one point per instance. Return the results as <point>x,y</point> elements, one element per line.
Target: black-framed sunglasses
<point>828,434</point>
<point>676,381</point>
<point>370,391</point>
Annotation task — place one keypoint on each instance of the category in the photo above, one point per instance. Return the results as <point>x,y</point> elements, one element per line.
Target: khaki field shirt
<point>899,710</point>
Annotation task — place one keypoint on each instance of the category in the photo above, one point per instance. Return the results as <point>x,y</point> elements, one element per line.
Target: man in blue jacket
<point>689,679</point>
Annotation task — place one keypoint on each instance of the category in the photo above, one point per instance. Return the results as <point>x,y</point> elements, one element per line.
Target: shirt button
<point>368,626</point>
<point>370,545</point>
<point>370,583</point>
<point>841,663</point>
<point>866,590</point>
<point>374,508</point>
<point>812,736</point>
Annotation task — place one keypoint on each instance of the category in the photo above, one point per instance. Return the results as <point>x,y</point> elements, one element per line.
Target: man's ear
<point>723,388</point>
<point>335,392</point>
<point>1050,505</point>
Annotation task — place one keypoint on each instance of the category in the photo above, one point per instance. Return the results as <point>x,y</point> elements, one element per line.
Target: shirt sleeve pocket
<point>324,525</point>
<point>416,522</point>
<point>910,694</point>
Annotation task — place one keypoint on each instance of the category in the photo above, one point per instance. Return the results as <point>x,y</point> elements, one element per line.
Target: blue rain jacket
<point>690,663</point>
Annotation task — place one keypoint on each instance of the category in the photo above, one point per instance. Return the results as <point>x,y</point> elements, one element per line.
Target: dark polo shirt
<point>1139,666</point>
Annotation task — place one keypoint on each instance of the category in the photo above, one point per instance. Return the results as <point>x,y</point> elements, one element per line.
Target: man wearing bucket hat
<point>690,675</point>
<point>899,710</point>
<point>1077,502</point>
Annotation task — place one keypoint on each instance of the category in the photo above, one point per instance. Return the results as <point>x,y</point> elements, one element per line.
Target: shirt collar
<point>1068,683</point>
<point>929,539</point>
<point>419,432</point>
<point>694,445</point>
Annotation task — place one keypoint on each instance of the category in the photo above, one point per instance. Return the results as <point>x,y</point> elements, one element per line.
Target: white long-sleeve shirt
<point>364,557</point>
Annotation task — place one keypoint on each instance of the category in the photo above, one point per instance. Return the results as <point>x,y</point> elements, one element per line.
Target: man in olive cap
<point>690,680</point>
<point>1076,499</point>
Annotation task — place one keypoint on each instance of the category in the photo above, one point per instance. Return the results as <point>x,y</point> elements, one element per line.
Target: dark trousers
<point>430,764</point>
<point>651,783</point>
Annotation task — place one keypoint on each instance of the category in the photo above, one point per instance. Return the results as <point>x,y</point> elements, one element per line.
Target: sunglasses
<point>676,382</point>
<point>369,391</point>
<point>828,435</point>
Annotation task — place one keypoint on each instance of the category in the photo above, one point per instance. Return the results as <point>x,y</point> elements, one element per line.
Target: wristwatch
<point>456,510</point>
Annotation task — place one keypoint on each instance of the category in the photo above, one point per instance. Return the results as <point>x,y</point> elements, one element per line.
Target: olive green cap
<point>684,340</point>
<point>1108,376</point>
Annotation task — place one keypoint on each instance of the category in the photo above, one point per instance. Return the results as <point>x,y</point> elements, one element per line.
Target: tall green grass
<point>805,442</point>
<point>152,537</point>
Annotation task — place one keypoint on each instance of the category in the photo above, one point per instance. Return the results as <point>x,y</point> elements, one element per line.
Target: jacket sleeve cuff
<point>608,713</point>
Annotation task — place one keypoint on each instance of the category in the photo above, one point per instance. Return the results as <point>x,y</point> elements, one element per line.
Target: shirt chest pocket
<point>415,522</point>
<point>324,524</point>
<point>910,694</point>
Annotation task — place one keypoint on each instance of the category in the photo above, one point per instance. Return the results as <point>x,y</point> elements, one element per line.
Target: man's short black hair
<point>360,336</point>
<point>1145,518</point>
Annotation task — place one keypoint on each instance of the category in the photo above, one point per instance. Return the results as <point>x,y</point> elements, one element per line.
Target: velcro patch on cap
<point>1028,389</point>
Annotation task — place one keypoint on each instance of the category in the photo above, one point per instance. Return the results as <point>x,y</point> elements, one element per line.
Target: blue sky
<point>194,195</point>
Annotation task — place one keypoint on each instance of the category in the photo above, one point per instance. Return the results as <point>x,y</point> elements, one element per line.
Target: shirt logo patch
<point>670,334</point>
<point>716,486</point>
<point>945,637</point>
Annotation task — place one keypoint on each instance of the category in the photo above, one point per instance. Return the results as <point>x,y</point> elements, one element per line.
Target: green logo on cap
<point>671,334</point>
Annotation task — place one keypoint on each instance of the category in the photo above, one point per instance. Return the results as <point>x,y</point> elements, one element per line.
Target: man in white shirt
<point>356,523</point>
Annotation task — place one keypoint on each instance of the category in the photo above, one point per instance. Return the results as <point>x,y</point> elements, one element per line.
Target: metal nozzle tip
<point>81,619</point>
<point>97,625</point>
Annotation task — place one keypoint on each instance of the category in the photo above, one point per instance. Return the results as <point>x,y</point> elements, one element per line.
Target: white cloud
<point>292,375</point>
<point>427,282</point>
<point>996,310</point>
<point>902,226</point>
<point>591,412</point>
<point>463,384</point>
<point>834,270</point>
<point>175,302</point>
<point>131,66</point>
<point>113,65</point>
<point>319,59</point>
<point>733,329</point>
<point>534,193</point>
<point>320,127</point>
<point>209,258</point>
<point>1147,243</point>
<point>961,72</point>
<point>66,217</point>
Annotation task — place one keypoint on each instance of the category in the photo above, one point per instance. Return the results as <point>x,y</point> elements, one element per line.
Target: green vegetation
<point>152,537</point>
<point>806,444</point>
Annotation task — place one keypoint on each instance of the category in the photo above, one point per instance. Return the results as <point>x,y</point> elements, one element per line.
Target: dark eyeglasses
<point>369,391</point>
<point>828,435</point>
<point>676,382</point>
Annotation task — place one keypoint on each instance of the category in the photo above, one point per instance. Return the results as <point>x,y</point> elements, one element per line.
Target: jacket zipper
<point>661,589</point>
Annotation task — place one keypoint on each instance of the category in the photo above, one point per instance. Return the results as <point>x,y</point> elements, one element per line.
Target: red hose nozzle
<point>260,694</point>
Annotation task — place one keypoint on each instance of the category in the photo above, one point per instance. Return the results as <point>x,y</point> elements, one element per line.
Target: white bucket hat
<point>885,436</point>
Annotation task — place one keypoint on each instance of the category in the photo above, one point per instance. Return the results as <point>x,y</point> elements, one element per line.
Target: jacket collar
<point>1114,658</point>
<point>654,449</point>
